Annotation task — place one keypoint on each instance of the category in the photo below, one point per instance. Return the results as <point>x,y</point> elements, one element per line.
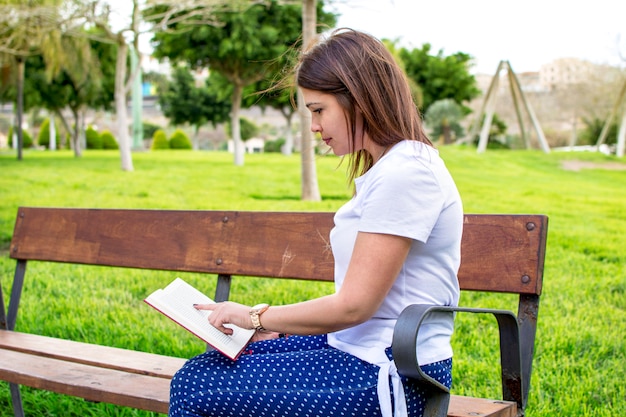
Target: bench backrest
<point>501,253</point>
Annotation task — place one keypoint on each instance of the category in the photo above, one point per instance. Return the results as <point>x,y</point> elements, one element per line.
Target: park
<point>577,367</point>
<point>579,349</point>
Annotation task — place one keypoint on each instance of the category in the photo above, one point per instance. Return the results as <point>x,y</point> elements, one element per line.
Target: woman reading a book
<point>395,243</point>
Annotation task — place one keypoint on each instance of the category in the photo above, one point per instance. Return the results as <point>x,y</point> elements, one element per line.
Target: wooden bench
<point>500,253</point>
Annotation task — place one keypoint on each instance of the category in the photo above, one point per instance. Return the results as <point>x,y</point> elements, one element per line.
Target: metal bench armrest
<point>405,349</point>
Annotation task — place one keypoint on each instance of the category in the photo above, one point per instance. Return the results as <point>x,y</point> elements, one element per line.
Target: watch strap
<point>255,316</point>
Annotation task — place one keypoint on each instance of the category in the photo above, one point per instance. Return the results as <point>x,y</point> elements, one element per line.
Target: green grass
<point>580,351</point>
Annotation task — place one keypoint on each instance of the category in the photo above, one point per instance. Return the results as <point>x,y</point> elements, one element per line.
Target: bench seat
<point>93,372</point>
<point>131,378</point>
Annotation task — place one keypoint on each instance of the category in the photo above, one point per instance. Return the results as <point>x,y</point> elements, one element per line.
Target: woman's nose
<point>315,127</point>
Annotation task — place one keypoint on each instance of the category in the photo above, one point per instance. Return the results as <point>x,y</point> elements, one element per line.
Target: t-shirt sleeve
<point>404,200</point>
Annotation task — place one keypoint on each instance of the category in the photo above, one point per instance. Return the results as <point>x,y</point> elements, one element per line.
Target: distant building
<point>529,81</point>
<point>252,145</point>
<point>565,71</point>
<point>557,74</point>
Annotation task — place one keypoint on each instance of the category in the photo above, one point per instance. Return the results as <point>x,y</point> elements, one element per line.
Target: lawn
<point>580,352</point>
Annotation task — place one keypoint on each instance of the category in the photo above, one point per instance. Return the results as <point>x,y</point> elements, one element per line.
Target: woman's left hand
<point>259,336</point>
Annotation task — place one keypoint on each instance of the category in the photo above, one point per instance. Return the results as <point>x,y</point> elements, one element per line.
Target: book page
<point>176,301</point>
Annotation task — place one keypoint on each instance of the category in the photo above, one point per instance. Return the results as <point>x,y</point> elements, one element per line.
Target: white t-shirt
<point>408,192</point>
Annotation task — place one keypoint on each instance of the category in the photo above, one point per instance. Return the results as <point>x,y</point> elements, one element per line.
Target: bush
<point>43,138</point>
<point>108,140</point>
<point>592,130</point>
<point>274,145</point>
<point>180,140</point>
<point>248,129</point>
<point>93,139</point>
<point>159,140</point>
<point>149,129</point>
<point>27,139</point>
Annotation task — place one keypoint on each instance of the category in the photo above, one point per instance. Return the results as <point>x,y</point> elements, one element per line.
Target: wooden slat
<point>88,382</point>
<point>501,253</point>
<point>90,354</point>
<point>473,407</point>
<point>130,378</point>
<point>292,245</point>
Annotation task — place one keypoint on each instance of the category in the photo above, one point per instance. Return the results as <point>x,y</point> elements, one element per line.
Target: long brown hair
<point>363,76</point>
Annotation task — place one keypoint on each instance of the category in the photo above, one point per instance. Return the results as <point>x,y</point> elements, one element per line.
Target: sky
<point>527,33</point>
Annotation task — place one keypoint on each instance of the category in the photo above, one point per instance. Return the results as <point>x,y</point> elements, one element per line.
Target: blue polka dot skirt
<point>295,376</point>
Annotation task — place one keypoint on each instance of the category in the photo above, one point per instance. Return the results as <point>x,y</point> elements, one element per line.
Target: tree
<point>182,102</point>
<point>244,47</point>
<point>158,14</point>
<point>416,90</point>
<point>85,81</point>
<point>98,14</point>
<point>443,117</point>
<point>27,29</point>
<point>439,76</point>
<point>281,98</point>
<point>248,129</point>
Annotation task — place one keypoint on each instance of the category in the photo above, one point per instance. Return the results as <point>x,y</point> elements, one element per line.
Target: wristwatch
<point>255,315</point>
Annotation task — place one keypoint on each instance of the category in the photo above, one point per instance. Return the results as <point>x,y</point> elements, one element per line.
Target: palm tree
<point>26,29</point>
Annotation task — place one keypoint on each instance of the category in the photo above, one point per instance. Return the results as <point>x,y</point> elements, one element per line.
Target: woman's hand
<point>258,336</point>
<point>227,313</point>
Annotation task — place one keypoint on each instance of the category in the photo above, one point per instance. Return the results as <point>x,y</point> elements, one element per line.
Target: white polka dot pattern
<point>294,376</point>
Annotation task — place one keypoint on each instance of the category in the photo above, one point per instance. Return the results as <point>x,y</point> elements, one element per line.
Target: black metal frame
<point>8,318</point>
<point>517,336</point>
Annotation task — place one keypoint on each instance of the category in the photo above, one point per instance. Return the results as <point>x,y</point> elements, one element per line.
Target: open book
<point>176,302</point>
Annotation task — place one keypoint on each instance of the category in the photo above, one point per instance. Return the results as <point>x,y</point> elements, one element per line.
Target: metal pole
<point>52,136</point>
<point>621,137</point>
<point>490,104</point>
<point>137,100</point>
<point>540,137</point>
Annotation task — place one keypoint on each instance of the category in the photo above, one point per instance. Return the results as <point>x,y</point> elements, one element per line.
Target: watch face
<point>260,308</point>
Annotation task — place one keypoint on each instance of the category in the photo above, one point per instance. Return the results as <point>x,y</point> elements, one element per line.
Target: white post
<point>540,137</point>
<point>489,110</point>
<point>53,135</point>
<point>607,124</point>
<point>621,137</point>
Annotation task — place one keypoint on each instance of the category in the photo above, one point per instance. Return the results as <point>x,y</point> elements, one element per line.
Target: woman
<point>395,243</point>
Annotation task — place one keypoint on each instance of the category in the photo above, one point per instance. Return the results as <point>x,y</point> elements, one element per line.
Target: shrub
<point>27,139</point>
<point>43,138</point>
<point>248,129</point>
<point>108,140</point>
<point>274,145</point>
<point>592,130</point>
<point>93,139</point>
<point>180,140</point>
<point>159,140</point>
<point>149,129</point>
